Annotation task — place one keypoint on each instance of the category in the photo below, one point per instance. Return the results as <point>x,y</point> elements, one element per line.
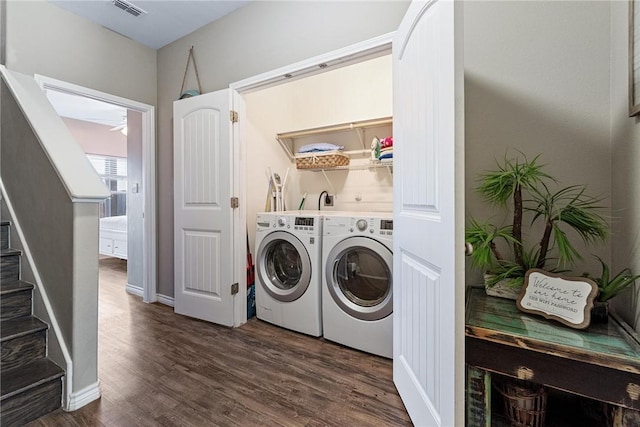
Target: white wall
<point>45,39</point>
<point>135,200</point>
<point>257,38</point>
<point>357,92</point>
<point>537,80</point>
<point>625,174</point>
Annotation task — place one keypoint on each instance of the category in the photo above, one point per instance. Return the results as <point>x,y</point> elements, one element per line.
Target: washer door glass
<point>359,278</point>
<point>284,266</point>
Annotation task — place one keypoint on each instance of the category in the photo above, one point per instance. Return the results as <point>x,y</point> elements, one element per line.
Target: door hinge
<point>233,116</point>
<point>235,203</point>
<point>234,288</point>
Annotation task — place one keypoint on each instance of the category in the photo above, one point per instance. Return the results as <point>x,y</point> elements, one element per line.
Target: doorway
<point>354,54</point>
<point>135,119</point>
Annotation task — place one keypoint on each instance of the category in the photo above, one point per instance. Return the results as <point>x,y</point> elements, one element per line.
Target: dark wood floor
<point>159,368</point>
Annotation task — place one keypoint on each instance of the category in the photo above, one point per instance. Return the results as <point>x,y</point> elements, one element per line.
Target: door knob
<point>468,248</point>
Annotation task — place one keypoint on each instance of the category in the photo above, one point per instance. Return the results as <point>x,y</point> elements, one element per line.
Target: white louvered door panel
<point>203,238</point>
<point>428,214</point>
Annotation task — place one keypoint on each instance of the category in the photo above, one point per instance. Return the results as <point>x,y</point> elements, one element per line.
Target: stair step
<point>4,234</point>
<point>16,381</point>
<point>30,391</point>
<point>9,264</point>
<point>12,286</point>
<point>16,328</point>
<point>15,299</point>
<point>10,252</point>
<point>23,341</point>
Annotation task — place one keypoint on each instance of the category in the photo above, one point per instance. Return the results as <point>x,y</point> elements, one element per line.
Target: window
<point>113,171</point>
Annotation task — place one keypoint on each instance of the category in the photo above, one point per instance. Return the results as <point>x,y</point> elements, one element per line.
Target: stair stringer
<point>29,271</point>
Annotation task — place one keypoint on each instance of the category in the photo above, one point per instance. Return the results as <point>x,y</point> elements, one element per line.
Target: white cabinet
<point>106,246</point>
<point>120,248</point>
<point>113,243</point>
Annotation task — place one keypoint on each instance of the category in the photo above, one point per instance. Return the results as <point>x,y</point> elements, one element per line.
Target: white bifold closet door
<point>428,124</point>
<point>203,232</point>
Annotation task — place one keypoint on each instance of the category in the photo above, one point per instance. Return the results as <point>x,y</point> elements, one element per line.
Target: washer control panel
<point>305,223</point>
<point>279,221</point>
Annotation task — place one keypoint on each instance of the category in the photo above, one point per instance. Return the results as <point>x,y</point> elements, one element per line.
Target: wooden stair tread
<point>28,376</point>
<point>14,328</point>
<point>12,286</point>
<point>10,252</point>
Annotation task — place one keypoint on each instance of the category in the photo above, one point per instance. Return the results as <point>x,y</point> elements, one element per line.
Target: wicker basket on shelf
<point>321,160</point>
<point>525,403</point>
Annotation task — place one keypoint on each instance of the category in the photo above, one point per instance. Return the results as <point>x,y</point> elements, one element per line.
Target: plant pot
<point>503,289</point>
<point>600,312</point>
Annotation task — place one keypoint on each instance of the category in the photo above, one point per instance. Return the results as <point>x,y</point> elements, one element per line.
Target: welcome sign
<point>566,299</point>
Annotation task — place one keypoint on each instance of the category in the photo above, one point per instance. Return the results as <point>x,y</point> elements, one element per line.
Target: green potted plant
<point>521,186</point>
<point>608,288</point>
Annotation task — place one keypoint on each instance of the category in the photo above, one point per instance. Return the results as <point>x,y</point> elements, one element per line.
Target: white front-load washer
<point>288,271</point>
<point>357,281</point>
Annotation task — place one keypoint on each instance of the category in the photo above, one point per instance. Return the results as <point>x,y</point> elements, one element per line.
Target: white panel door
<point>428,357</point>
<point>203,226</point>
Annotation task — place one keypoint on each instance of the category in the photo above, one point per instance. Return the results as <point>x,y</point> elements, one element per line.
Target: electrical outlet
<point>328,200</point>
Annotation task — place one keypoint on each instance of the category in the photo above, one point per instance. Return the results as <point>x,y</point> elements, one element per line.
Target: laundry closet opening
<point>355,93</point>
<point>319,162</point>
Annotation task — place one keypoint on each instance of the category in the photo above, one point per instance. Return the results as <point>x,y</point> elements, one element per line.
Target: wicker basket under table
<point>525,403</point>
<point>321,160</point>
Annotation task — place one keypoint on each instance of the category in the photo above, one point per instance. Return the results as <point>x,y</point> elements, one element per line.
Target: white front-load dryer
<point>288,271</point>
<point>357,291</point>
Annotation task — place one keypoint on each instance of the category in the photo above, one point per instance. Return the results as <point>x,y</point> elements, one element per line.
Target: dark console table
<point>601,362</point>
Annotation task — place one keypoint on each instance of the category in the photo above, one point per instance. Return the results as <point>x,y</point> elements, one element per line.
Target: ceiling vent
<point>129,8</point>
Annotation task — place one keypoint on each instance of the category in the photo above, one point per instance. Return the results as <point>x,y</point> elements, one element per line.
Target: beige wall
<point>254,39</point>
<point>47,40</point>
<point>537,80</point>
<point>357,92</point>
<point>97,139</point>
<point>625,177</point>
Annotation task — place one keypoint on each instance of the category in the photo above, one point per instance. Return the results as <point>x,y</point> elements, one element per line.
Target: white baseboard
<point>163,299</point>
<point>138,291</point>
<point>83,397</point>
<point>135,290</point>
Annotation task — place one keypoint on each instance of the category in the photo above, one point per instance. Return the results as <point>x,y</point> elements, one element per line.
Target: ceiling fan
<point>122,127</point>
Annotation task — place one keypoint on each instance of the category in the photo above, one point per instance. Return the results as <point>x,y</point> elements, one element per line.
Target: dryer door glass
<point>363,277</point>
<point>284,265</point>
<point>359,277</point>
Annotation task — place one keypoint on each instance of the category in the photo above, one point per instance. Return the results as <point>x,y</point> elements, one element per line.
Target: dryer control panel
<point>372,226</point>
<point>365,226</point>
<point>386,227</point>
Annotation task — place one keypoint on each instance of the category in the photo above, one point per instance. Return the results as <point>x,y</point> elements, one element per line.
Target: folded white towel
<point>319,146</point>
